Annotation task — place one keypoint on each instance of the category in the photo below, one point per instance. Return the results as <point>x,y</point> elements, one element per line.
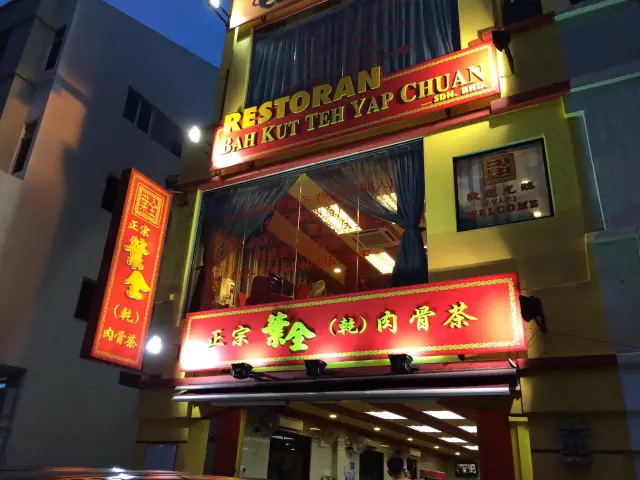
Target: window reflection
<point>347,227</point>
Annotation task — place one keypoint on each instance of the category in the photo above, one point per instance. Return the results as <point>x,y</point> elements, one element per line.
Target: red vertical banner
<point>129,273</point>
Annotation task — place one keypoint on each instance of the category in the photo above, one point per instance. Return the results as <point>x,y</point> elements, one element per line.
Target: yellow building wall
<point>554,263</point>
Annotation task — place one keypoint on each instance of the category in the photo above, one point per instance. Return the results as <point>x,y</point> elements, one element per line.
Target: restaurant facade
<point>389,252</point>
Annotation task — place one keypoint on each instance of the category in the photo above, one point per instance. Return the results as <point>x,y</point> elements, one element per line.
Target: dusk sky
<point>190,23</point>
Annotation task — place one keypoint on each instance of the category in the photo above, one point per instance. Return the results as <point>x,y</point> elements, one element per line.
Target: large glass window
<point>339,228</point>
<point>351,37</point>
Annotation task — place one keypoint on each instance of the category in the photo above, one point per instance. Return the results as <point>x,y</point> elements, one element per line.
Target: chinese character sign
<point>504,186</point>
<point>478,315</point>
<point>129,273</point>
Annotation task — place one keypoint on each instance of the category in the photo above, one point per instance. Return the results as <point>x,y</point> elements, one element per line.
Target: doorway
<point>289,456</point>
<point>371,465</point>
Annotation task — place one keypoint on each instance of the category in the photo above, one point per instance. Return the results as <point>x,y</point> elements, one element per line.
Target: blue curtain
<point>369,182</point>
<point>238,211</point>
<point>357,35</point>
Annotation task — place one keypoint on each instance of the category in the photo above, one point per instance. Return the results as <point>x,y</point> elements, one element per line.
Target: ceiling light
<point>337,270</point>
<point>424,429</point>
<point>458,453</point>
<point>377,429</point>
<point>315,429</point>
<point>537,213</point>
<point>437,447</point>
<point>194,134</point>
<point>469,428</point>
<point>382,261</point>
<point>410,439</point>
<point>453,440</point>
<point>471,447</point>
<point>384,415</point>
<point>337,219</point>
<point>154,345</point>
<point>214,3</point>
<point>444,415</point>
<point>333,415</point>
<point>384,446</point>
<point>389,201</point>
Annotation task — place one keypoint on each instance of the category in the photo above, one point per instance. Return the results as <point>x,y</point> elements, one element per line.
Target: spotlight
<point>314,368</point>
<point>531,308</point>
<point>194,134</point>
<point>401,363</point>
<point>241,371</point>
<point>154,345</point>
<point>501,40</point>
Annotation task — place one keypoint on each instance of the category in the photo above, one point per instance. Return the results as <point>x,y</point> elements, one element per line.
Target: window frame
<point>24,137</point>
<point>492,152</point>
<point>56,45</point>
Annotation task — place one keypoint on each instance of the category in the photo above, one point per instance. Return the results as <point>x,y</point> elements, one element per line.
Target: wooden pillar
<point>229,440</point>
<point>494,441</point>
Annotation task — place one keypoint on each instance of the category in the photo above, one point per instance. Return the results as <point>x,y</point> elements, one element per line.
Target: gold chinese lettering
<point>131,341</point>
<point>133,225</point>
<point>109,334</point>
<point>137,249</point>
<point>144,231</point>
<point>458,317</point>
<point>297,335</point>
<point>120,337</point>
<point>275,329</point>
<point>240,335</point>
<point>421,316</point>
<point>137,285</point>
<point>388,321</point>
<point>216,339</point>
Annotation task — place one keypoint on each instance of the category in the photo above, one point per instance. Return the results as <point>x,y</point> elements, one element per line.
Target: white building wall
<point>603,60</point>
<point>73,411</point>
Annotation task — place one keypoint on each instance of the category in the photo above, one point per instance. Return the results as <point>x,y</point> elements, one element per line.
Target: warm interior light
<point>315,429</point>
<point>382,261</point>
<point>410,439</point>
<point>154,345</point>
<point>424,429</point>
<point>384,415</point>
<point>537,213</point>
<point>444,415</point>
<point>377,429</point>
<point>458,453</point>
<point>337,219</point>
<point>471,447</point>
<point>333,415</point>
<point>437,447</point>
<point>389,200</point>
<point>469,428</point>
<point>337,270</point>
<point>452,439</point>
<point>384,446</point>
<point>195,134</point>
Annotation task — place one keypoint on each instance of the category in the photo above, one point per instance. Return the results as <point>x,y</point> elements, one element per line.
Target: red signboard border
<point>471,283</point>
<point>363,127</point>
<point>104,287</point>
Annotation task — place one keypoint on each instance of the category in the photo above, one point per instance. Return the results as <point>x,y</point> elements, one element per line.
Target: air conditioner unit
<point>291,424</point>
<point>261,421</point>
<point>373,239</point>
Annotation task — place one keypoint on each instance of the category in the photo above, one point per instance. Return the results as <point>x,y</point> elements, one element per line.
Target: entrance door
<point>371,465</point>
<point>289,456</point>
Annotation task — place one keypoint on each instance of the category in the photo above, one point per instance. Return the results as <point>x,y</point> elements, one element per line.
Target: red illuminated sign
<point>338,113</point>
<point>478,315</point>
<point>129,273</point>
<point>244,11</point>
